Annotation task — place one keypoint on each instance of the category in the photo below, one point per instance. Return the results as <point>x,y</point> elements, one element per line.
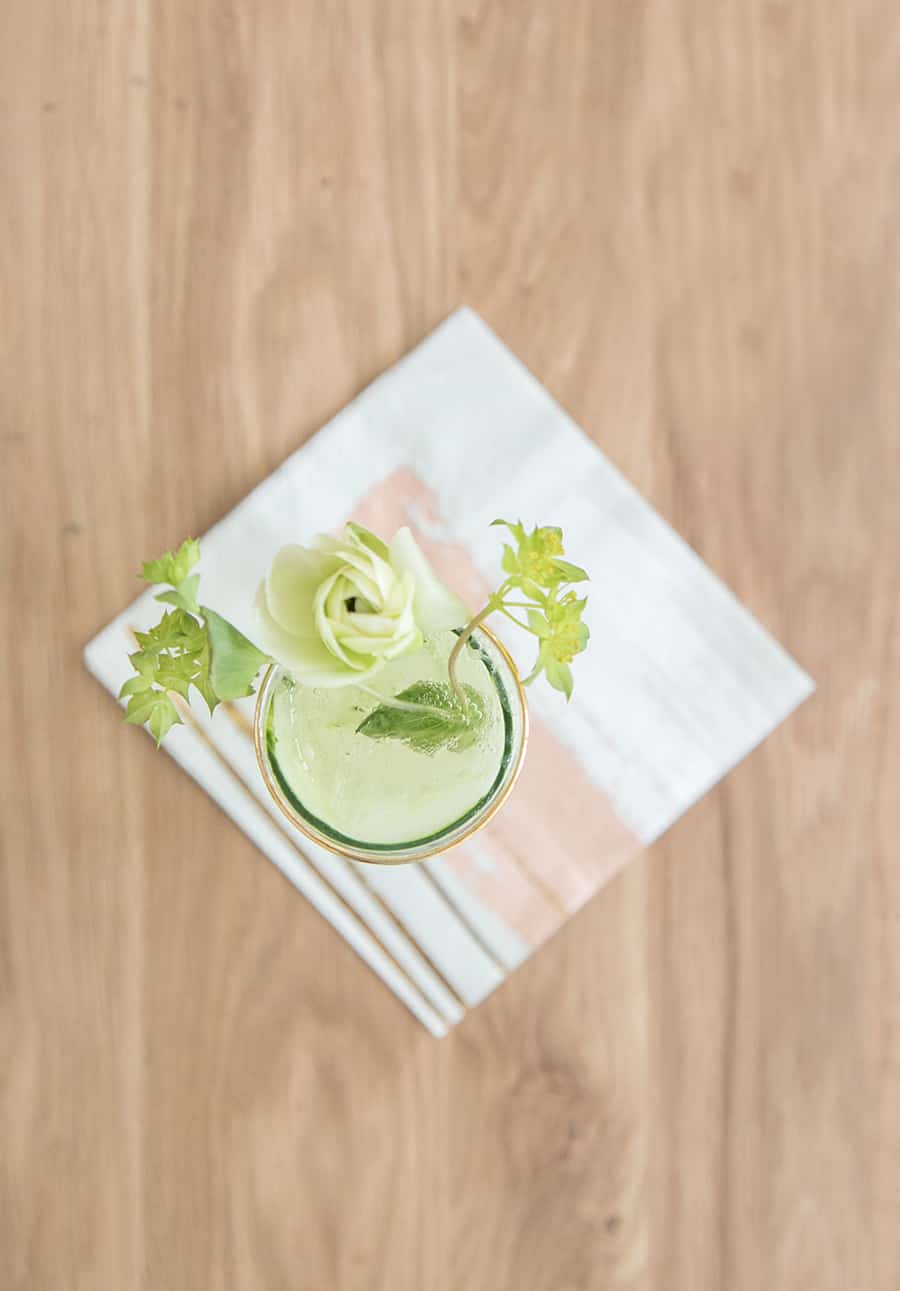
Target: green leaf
<point>134,686</point>
<point>234,661</point>
<point>155,709</point>
<point>191,635</point>
<point>568,572</point>
<point>170,598</point>
<point>140,707</point>
<point>510,562</point>
<point>538,623</point>
<point>174,674</point>
<point>204,686</point>
<point>144,664</point>
<point>162,719</point>
<point>184,595</point>
<point>440,722</point>
<point>559,676</point>
<point>172,567</point>
<point>171,630</point>
<point>532,590</point>
<point>202,682</point>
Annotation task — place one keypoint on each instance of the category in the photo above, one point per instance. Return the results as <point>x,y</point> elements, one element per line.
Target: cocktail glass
<point>389,801</point>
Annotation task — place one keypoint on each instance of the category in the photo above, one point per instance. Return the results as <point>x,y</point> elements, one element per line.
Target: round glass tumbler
<point>389,801</point>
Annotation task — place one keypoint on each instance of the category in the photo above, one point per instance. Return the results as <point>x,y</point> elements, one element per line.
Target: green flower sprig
<point>190,646</point>
<point>539,583</point>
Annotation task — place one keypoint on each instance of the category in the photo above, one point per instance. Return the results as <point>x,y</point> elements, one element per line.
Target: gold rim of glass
<point>436,846</point>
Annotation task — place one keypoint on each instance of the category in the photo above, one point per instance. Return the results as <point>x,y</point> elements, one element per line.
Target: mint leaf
<point>439,722</point>
<point>233,660</point>
<point>172,567</point>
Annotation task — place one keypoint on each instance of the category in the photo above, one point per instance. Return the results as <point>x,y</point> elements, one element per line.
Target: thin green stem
<point>518,622</point>
<point>461,640</point>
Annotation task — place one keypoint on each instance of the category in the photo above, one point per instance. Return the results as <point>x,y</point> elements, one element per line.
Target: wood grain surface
<point>218,221</point>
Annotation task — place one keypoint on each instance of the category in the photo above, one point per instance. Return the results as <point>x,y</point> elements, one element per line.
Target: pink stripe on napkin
<point>558,838</point>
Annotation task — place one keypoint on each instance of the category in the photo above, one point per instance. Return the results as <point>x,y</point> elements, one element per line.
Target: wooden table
<point>219,221</point>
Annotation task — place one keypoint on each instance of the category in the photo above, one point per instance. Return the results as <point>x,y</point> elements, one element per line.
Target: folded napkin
<point>679,683</point>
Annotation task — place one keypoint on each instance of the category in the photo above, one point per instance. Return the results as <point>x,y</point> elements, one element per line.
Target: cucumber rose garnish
<point>336,612</point>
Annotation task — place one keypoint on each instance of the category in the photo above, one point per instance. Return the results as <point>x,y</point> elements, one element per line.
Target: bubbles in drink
<point>385,790</point>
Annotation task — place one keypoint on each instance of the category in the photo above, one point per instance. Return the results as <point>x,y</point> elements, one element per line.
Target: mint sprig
<point>539,584</point>
<point>191,646</point>
<point>427,716</point>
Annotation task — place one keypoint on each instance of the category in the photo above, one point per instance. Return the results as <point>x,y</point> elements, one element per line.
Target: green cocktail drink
<point>393,799</point>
